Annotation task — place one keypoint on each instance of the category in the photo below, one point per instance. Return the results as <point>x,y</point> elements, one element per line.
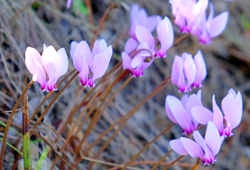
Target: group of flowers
<point>140,51</point>
<point>192,18</point>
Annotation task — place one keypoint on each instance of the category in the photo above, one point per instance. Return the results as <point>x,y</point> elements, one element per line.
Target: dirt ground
<point>32,23</point>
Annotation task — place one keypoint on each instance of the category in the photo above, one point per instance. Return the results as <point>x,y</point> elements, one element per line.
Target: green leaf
<point>79,6</point>
<point>43,156</point>
<point>13,147</point>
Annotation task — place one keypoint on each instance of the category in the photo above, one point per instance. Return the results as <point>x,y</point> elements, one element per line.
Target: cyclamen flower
<point>232,106</point>
<point>187,72</point>
<point>52,63</point>
<point>140,17</point>
<point>212,27</point>
<point>91,65</point>
<point>179,111</point>
<point>205,149</point>
<point>188,13</point>
<point>139,55</point>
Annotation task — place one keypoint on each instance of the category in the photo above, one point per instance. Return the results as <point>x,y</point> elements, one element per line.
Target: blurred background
<point>33,23</point>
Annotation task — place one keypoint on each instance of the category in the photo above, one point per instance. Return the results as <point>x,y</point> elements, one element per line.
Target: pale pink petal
<point>239,112</point>
<point>33,61</point>
<point>202,114</point>
<point>86,53</point>
<point>84,73</point>
<point>200,7</point>
<point>180,114</point>
<point>130,46</point>
<point>77,59</point>
<point>180,21</point>
<point>49,58</point>
<point>177,146</point>
<point>218,117</point>
<point>152,21</point>
<point>126,61</point>
<point>136,61</point>
<point>168,111</point>
<point>102,45</point>
<point>142,17</point>
<point>177,70</point>
<point>165,35</point>
<point>229,108</point>
<point>100,63</point>
<point>69,3</point>
<point>62,63</point>
<point>232,92</point>
<point>95,49</point>
<point>212,138</point>
<point>73,46</point>
<point>134,12</point>
<point>200,141</point>
<point>218,24</point>
<point>201,71</point>
<point>193,149</point>
<point>189,69</point>
<point>143,35</point>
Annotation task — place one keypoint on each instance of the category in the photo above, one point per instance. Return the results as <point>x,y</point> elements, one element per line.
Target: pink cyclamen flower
<point>179,111</point>
<point>188,13</point>
<point>232,106</point>
<point>52,63</point>
<point>187,72</point>
<point>140,17</point>
<point>165,35</point>
<point>212,27</point>
<point>91,65</point>
<point>205,149</point>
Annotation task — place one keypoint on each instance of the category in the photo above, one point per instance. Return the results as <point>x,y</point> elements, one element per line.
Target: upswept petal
<point>49,59</point>
<point>143,35</point>
<point>239,112</point>
<point>130,46</point>
<point>200,141</point>
<point>86,53</point>
<point>95,49</point>
<point>73,46</point>
<point>126,61</point>
<point>134,11</point>
<point>201,71</point>
<point>232,92</point>
<point>177,146</point>
<point>212,138</point>
<point>100,63</point>
<point>189,69</point>
<point>177,70</point>
<point>152,21</point>
<point>202,114</point>
<point>62,63</point>
<point>180,114</point>
<point>218,117</point>
<point>77,59</point>
<point>84,73</point>
<point>180,21</point>
<point>168,111</point>
<point>102,45</point>
<point>200,7</point>
<point>218,24</point>
<point>229,107</point>
<point>165,35</point>
<point>33,61</point>
<point>193,149</point>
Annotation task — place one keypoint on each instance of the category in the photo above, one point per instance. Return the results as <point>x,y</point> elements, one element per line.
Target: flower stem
<point>57,95</point>
<point>173,162</point>
<point>102,21</point>
<point>145,147</point>
<point>129,114</point>
<point>179,39</point>
<point>9,121</point>
<point>196,165</point>
<point>162,159</point>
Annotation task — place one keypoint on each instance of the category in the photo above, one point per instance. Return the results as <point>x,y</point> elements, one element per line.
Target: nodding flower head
<point>232,106</point>
<point>179,111</point>
<point>91,65</point>
<point>204,148</point>
<point>52,64</point>
<point>187,72</point>
<point>140,17</point>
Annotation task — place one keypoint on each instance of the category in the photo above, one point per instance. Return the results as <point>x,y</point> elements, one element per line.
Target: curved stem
<point>49,94</point>
<point>101,23</point>
<point>57,95</point>
<point>9,121</point>
<point>112,126</point>
<point>173,163</point>
<point>145,147</point>
<point>79,118</point>
<point>196,165</point>
<point>179,39</point>
<point>158,89</point>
